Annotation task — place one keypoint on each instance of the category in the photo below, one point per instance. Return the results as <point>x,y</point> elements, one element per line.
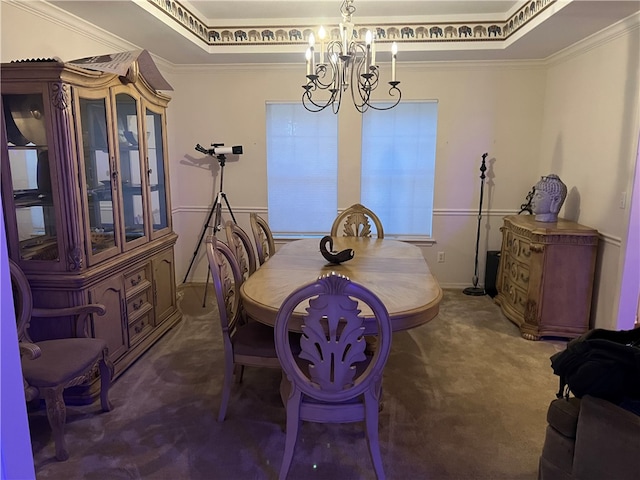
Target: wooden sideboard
<point>85,190</point>
<point>545,278</point>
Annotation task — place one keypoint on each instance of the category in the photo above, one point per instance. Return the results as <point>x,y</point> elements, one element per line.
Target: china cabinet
<point>545,277</point>
<point>85,190</point>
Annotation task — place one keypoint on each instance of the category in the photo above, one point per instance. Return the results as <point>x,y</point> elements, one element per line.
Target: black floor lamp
<point>475,290</point>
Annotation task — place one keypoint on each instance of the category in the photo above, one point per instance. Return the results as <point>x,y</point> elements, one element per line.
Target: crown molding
<point>73,23</point>
<point>619,29</point>
<point>80,26</point>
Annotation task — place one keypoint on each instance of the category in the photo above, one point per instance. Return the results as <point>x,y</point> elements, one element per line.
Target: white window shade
<point>398,167</point>
<point>302,169</point>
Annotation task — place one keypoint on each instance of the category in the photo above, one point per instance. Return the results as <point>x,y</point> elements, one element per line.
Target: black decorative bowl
<point>331,256</point>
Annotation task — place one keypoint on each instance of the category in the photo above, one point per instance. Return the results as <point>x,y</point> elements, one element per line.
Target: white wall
<point>590,139</point>
<point>493,108</point>
<point>575,116</point>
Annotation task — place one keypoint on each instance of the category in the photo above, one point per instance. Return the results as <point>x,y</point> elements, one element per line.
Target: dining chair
<point>242,247</point>
<point>354,222</point>
<point>332,379</point>
<point>51,366</point>
<point>265,245</point>
<point>245,343</point>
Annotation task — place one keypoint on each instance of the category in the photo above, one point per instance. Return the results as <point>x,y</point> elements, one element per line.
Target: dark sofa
<point>590,439</point>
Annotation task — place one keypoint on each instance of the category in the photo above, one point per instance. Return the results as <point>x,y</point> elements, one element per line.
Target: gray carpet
<point>465,397</point>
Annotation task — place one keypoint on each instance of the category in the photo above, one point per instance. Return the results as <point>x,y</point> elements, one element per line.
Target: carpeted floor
<point>465,397</point>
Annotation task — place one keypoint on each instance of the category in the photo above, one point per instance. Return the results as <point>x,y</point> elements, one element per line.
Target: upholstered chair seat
<point>56,364</point>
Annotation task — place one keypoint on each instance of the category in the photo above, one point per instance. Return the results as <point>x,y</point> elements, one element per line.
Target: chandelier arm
<point>360,77</point>
<point>335,107</point>
<point>394,88</point>
<point>313,106</point>
<point>320,74</point>
<point>360,88</point>
<point>373,79</point>
<point>307,98</point>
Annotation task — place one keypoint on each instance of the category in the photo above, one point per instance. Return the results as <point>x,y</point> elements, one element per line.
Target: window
<point>398,166</point>
<point>302,169</point>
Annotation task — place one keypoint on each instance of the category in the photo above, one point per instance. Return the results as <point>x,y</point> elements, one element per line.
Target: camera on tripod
<point>220,149</point>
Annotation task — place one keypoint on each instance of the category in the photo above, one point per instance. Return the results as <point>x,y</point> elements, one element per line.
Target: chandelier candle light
<point>346,64</point>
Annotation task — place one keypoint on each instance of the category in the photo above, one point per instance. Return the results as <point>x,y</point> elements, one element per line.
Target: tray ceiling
<point>205,31</point>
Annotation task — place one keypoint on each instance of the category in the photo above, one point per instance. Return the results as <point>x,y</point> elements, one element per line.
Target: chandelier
<point>345,64</point>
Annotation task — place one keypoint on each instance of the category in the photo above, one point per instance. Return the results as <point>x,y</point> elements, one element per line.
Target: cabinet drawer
<point>517,272</point>
<point>138,305</point>
<point>139,329</point>
<point>137,279</point>
<point>516,297</point>
<point>518,247</point>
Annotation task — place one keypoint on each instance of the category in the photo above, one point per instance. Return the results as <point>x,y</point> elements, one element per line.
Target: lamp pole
<point>475,290</point>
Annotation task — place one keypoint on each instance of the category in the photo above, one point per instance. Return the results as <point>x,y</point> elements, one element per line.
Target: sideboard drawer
<point>517,272</point>
<point>518,247</point>
<point>136,279</point>
<point>138,305</point>
<point>517,297</point>
<point>139,329</point>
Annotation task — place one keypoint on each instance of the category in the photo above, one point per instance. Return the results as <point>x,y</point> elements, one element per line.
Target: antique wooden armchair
<point>354,222</point>
<point>332,379</point>
<point>50,366</point>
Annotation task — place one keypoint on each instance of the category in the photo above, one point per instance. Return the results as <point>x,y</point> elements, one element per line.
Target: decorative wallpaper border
<point>433,32</point>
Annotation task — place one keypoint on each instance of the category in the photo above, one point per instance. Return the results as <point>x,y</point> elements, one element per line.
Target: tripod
<point>216,209</point>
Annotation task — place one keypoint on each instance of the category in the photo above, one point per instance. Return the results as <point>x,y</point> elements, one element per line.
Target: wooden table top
<point>395,271</point>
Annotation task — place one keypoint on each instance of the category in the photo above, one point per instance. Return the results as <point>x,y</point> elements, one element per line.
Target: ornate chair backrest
<point>332,340</point>
<point>242,247</point>
<point>22,300</point>
<point>23,305</point>
<point>265,246</point>
<point>355,222</point>
<point>227,280</point>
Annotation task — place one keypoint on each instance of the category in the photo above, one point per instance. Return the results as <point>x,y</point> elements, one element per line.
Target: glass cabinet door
<point>101,179</point>
<point>36,217</point>
<point>156,173</point>
<point>131,168</point>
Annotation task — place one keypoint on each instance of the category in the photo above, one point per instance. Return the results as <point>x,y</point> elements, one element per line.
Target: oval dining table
<point>395,271</point>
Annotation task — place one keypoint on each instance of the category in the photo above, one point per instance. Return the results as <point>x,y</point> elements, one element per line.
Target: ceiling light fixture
<point>346,64</point>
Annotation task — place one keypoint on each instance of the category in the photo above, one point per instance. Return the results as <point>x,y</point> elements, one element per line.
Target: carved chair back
<point>22,301</point>
<point>354,222</point>
<point>227,280</point>
<point>333,379</point>
<point>242,247</point>
<point>265,245</point>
